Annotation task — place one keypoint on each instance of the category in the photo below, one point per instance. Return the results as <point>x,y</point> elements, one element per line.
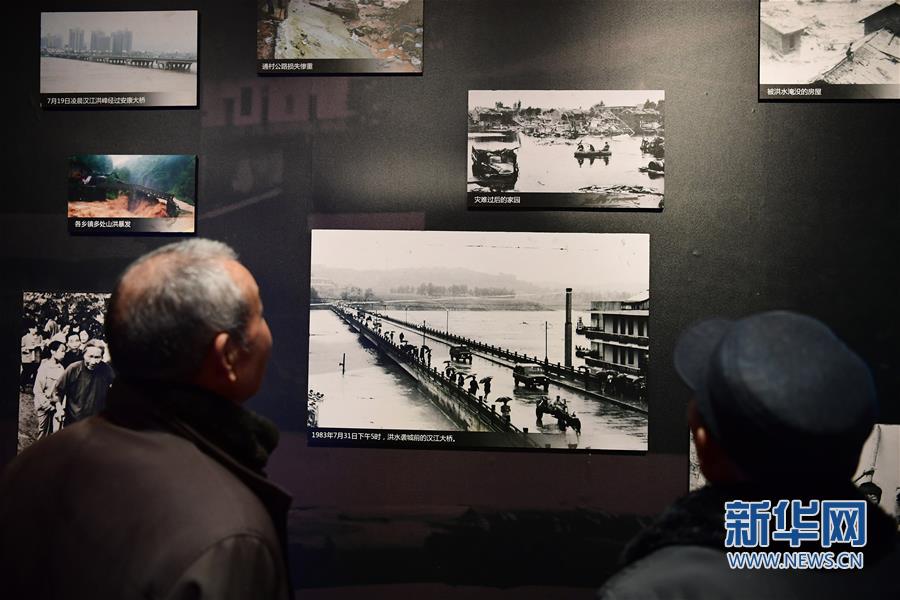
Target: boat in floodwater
<point>495,167</point>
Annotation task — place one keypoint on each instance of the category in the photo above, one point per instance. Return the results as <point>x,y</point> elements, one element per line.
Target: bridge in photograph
<point>471,412</point>
<point>492,389</point>
<point>579,380</point>
<point>141,61</point>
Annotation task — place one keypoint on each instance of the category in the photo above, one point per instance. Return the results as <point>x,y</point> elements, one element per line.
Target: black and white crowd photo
<point>533,340</point>
<point>65,372</point>
<point>567,149</point>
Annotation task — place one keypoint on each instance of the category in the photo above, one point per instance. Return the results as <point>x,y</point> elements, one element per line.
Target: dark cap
<point>784,397</point>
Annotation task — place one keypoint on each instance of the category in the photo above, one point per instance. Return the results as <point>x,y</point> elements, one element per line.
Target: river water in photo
<point>376,393</point>
<point>549,165</point>
<point>68,76</point>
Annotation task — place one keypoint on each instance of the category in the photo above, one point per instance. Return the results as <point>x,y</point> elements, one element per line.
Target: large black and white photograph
<point>65,372</point>
<point>469,339</point>
<point>132,193</point>
<point>310,37</point>
<point>575,149</point>
<point>119,59</point>
<point>839,49</point>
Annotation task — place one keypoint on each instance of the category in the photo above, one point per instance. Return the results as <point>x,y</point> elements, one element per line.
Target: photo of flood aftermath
<point>452,339</point>
<point>119,59</point>
<point>132,193</point>
<point>339,36</point>
<point>575,149</point>
<point>65,373</point>
<point>813,50</point>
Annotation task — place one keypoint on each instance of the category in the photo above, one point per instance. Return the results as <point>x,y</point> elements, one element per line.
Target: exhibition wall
<point>768,205</point>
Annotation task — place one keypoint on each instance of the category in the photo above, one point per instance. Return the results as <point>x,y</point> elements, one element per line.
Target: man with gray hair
<point>163,495</point>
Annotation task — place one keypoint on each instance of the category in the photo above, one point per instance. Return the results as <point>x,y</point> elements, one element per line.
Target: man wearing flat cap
<point>163,495</point>
<point>780,411</point>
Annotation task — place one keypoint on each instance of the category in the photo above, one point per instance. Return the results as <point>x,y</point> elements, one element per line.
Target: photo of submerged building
<point>619,333</point>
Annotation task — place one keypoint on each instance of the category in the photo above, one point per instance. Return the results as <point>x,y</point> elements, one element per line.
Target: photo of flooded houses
<point>119,59</point>
<point>575,149</point>
<point>339,36</point>
<point>450,339</point>
<point>109,193</point>
<point>826,50</point>
<point>64,372</point>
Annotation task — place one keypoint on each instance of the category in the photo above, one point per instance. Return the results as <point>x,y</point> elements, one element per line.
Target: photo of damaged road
<point>387,31</point>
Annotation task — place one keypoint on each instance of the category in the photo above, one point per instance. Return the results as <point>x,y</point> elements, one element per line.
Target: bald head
<point>170,304</point>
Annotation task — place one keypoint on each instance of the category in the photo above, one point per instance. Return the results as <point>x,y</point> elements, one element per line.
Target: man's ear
<point>715,464</point>
<point>225,353</point>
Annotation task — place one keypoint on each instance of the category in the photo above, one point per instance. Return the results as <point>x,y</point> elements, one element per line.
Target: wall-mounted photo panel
<point>119,59</point>
<point>877,475</point>
<point>314,37</point>
<point>65,372</point>
<point>838,50</point>
<point>449,339</point>
<point>132,193</point>
<point>566,149</point>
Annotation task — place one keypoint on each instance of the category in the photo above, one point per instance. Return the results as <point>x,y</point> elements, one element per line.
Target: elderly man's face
<point>92,357</point>
<point>250,363</point>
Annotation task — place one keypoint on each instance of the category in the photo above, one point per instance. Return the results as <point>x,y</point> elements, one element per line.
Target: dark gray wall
<point>767,206</point>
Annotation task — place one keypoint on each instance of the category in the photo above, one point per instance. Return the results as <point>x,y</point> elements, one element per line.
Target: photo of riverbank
<point>574,149</point>
<point>119,59</point>
<point>476,337</point>
<point>340,36</point>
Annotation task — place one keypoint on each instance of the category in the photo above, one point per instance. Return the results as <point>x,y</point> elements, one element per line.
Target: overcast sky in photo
<point>614,260</point>
<point>163,31</point>
<point>563,98</point>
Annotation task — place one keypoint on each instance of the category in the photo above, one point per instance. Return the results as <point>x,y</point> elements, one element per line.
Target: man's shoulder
<point>148,474</point>
<point>147,490</point>
<point>74,367</point>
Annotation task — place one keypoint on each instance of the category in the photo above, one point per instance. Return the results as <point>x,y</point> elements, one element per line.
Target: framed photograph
<point>132,193</point>
<point>119,59</point>
<point>451,339</point>
<point>315,37</point>
<point>566,149</point>
<point>64,372</point>
<point>839,50</point>
<point>877,475</point>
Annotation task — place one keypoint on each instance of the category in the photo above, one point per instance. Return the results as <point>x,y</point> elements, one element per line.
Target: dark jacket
<point>682,556</point>
<point>136,503</point>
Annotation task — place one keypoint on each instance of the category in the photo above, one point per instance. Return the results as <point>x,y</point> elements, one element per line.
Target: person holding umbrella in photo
<point>486,381</point>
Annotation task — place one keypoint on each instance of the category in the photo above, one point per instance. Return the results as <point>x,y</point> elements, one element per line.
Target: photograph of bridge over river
<point>566,149</point>
<point>123,193</point>
<point>119,59</point>
<point>450,339</point>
